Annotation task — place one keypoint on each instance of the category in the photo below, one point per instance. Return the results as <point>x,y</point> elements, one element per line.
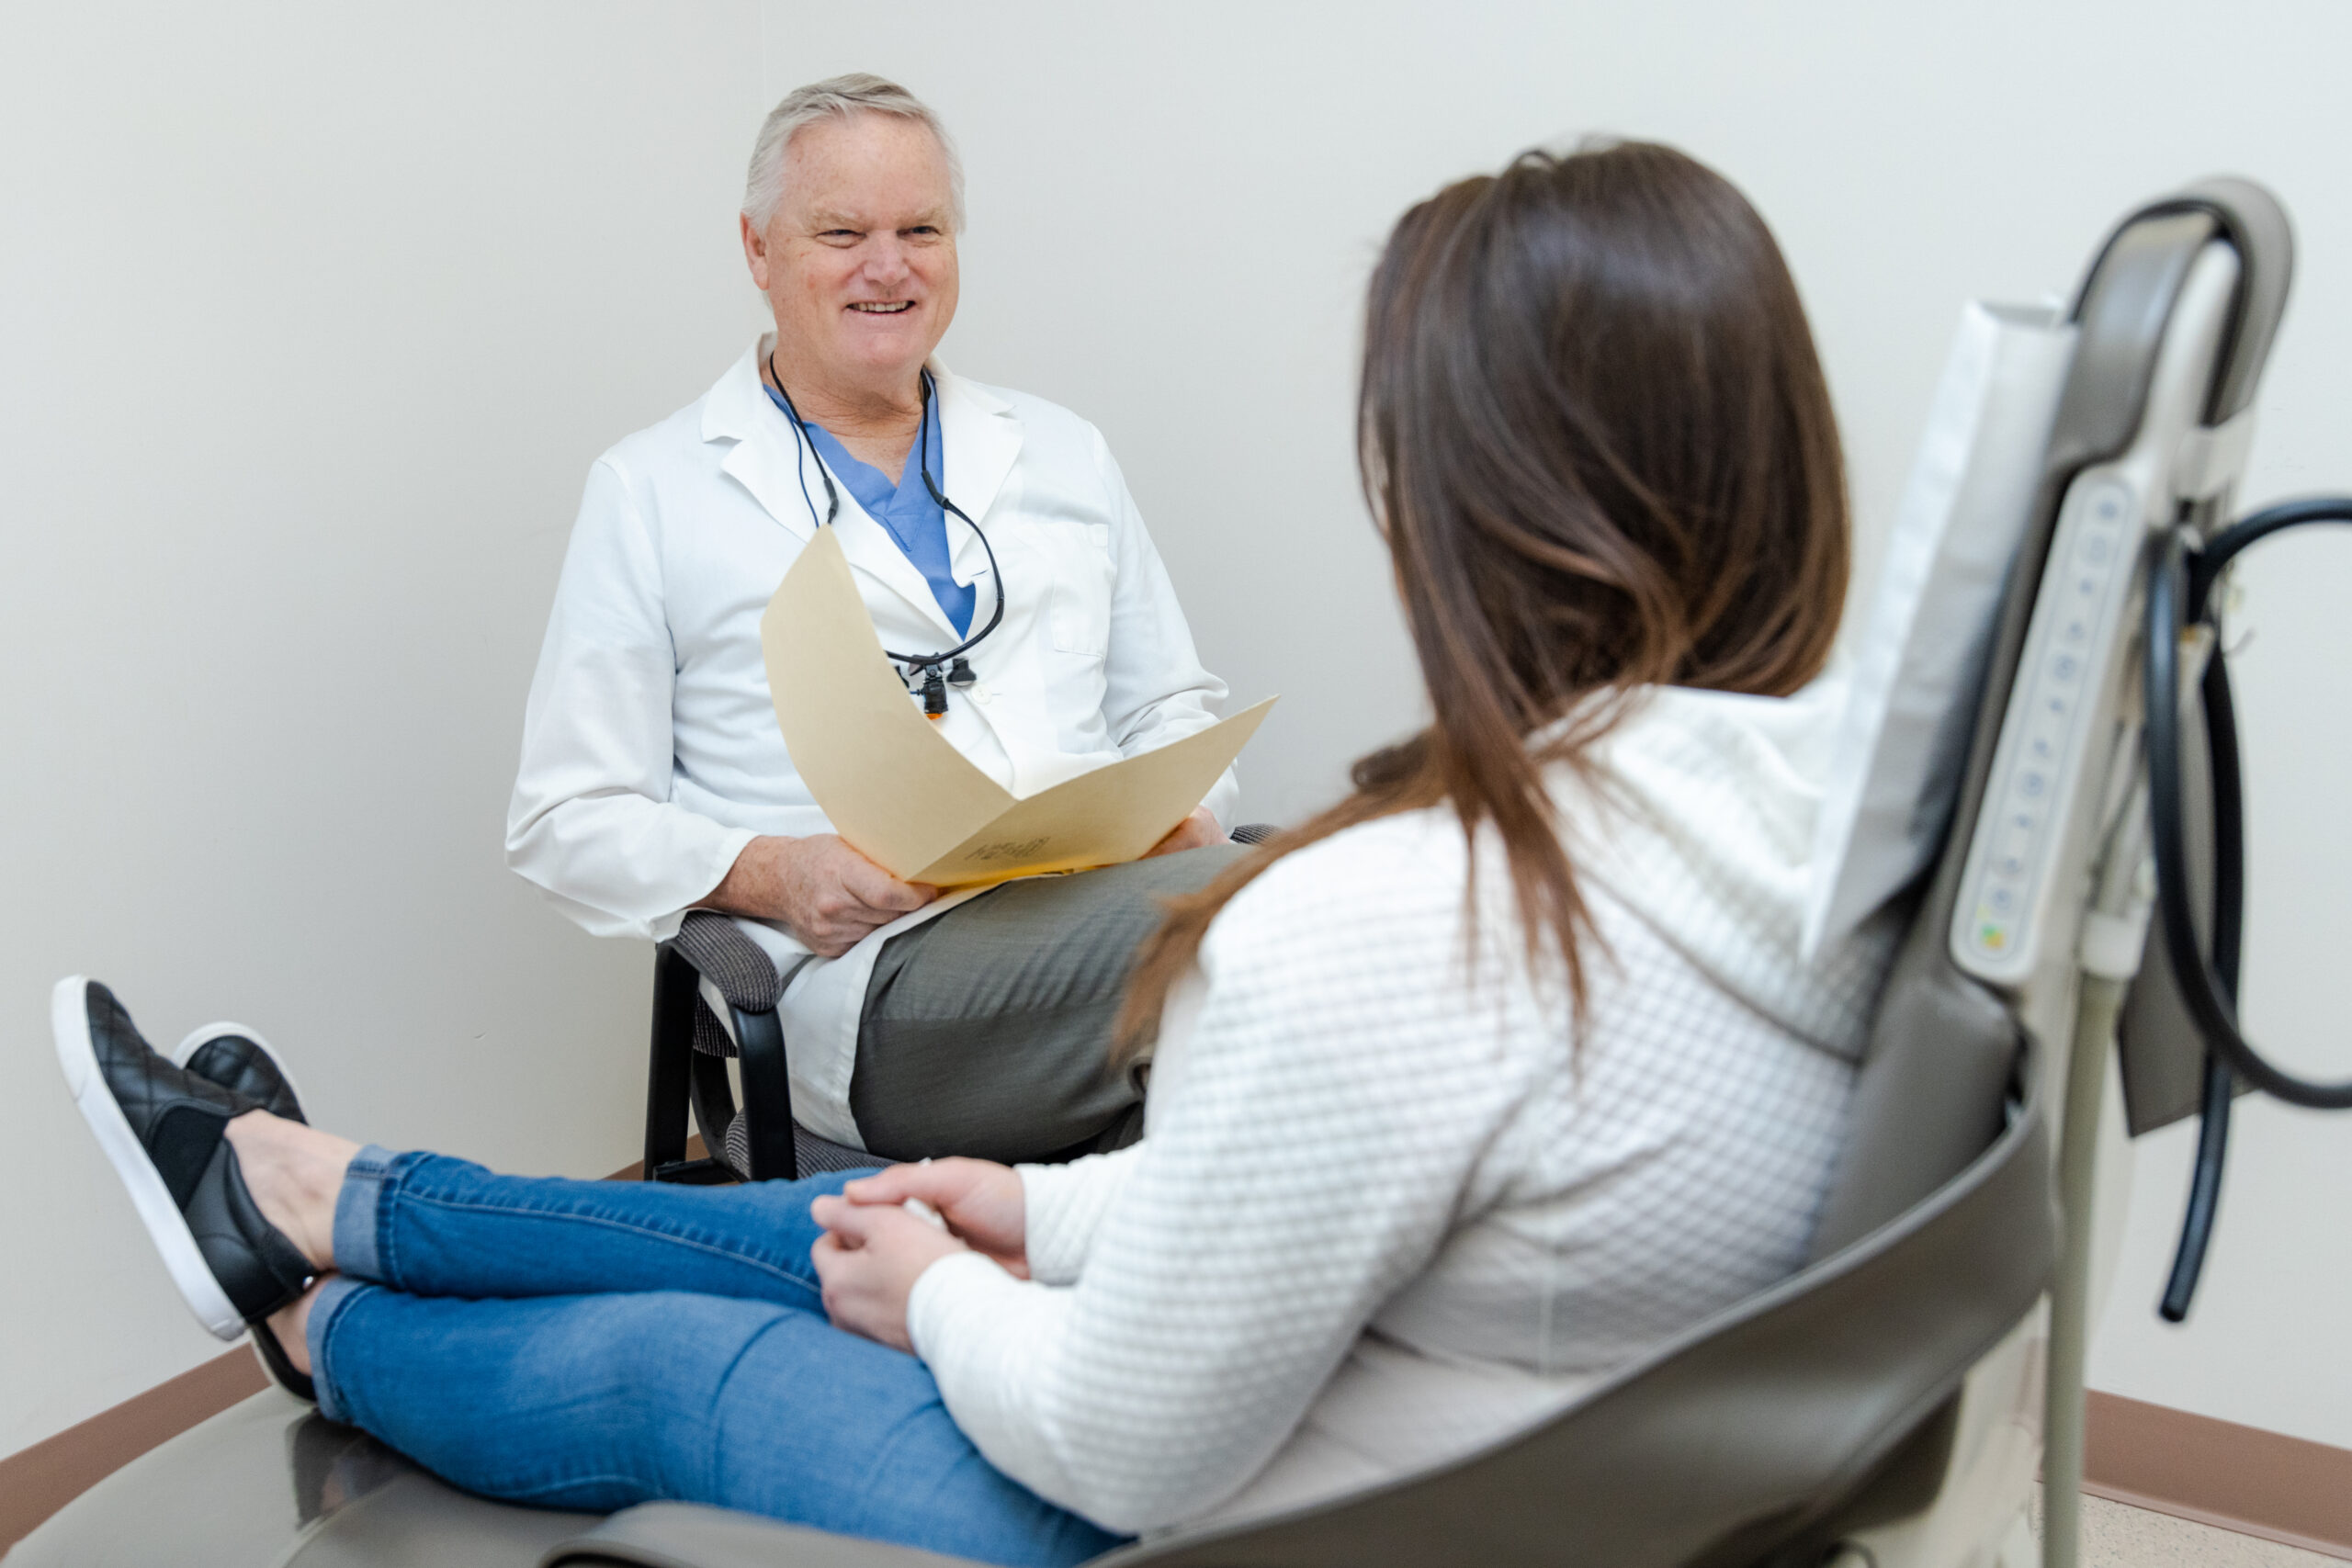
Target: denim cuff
<point>335,1294</point>
<point>358,1212</point>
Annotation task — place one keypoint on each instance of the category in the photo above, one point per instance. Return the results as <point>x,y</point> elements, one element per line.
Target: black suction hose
<point>2204,1191</point>
<point>2229,925</point>
<point>2182,582</point>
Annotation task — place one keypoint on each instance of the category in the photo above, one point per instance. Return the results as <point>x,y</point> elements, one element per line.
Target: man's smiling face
<point>859,260</point>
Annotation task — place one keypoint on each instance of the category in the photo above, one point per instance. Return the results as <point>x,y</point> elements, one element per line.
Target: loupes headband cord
<point>948,667</point>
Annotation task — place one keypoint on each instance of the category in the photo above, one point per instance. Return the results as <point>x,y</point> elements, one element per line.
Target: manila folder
<point>901,793</point>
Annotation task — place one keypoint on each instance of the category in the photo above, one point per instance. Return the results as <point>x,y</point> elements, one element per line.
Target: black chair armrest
<point>711,946</point>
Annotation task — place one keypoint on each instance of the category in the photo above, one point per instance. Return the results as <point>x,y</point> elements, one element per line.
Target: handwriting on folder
<point>901,793</point>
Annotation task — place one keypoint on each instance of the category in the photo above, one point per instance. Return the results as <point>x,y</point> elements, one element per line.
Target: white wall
<point>311,318</point>
<point>273,581</point>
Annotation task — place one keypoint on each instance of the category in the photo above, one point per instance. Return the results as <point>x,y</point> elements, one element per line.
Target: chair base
<point>703,1172</point>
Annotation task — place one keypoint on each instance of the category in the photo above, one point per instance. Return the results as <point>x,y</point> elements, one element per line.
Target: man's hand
<point>981,1201</point>
<point>823,891</point>
<point>1196,833</point>
<point>868,1260</point>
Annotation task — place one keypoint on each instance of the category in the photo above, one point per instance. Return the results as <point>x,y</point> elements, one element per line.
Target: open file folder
<point>901,792</point>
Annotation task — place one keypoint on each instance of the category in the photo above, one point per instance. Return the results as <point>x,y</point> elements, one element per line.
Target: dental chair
<point>1889,1403</point>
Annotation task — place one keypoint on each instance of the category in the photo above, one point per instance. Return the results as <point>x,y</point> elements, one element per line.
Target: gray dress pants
<point>987,1031</point>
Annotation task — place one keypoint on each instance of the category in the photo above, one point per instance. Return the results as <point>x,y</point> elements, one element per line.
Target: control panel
<point>2039,764</point>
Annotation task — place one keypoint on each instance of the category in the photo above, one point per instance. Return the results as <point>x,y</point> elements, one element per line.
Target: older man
<point>653,778</point>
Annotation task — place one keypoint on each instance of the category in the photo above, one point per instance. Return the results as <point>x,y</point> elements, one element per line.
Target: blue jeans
<point>593,1344</point>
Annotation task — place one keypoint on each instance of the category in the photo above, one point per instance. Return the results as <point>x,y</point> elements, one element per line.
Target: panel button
<point>2016,852</point>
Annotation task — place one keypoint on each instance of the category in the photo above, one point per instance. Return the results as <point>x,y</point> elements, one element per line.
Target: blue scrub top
<point>906,509</point>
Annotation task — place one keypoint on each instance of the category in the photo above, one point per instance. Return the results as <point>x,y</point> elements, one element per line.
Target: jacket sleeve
<point>591,820</point>
<point>1064,1206</point>
<point>1156,689</point>
<point>1313,1139</point>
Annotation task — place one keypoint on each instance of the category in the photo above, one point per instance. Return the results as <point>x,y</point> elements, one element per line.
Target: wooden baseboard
<point>2218,1472</point>
<point>36,1481</point>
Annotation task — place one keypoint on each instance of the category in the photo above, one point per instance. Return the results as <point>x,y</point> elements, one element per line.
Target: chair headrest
<point>1919,663</point>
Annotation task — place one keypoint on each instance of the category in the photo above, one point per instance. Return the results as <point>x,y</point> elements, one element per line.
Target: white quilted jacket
<point>1391,1204</point>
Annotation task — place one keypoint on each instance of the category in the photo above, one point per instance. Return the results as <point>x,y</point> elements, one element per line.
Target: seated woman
<point>1495,1076</point>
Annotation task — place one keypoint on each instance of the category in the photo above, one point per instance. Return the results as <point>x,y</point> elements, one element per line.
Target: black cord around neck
<point>948,667</point>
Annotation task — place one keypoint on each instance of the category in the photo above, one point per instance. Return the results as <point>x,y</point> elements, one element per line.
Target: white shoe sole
<point>69,1021</point>
<point>199,1038</point>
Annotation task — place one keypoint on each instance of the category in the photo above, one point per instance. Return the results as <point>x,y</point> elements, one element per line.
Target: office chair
<point>760,1141</point>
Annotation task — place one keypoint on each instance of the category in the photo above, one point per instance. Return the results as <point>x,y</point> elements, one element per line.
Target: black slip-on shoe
<point>240,1061</point>
<point>161,1129</point>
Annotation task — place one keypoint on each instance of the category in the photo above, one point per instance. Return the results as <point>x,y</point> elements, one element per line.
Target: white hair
<point>839,97</point>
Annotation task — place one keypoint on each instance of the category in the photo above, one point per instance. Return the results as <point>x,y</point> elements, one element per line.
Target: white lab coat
<point>650,752</point>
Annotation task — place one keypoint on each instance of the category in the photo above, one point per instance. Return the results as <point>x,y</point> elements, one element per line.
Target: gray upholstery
<point>709,1036</point>
<point>1941,1052</point>
<point>816,1156</point>
<point>270,1481</point>
<point>732,962</point>
<point>745,975</point>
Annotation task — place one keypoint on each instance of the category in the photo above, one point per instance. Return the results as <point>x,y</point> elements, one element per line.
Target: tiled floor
<point>2115,1536</point>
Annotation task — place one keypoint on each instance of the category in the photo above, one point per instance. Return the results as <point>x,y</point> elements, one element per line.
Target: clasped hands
<point>874,1248</point>
<point>831,897</point>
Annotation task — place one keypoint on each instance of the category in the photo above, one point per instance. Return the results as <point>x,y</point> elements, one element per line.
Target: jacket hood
<point>1700,819</point>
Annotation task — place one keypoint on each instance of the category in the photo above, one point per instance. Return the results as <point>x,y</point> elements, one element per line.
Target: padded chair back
<point>1762,1434</point>
<point>1747,1441</point>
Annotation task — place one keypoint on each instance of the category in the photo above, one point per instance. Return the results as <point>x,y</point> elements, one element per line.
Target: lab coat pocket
<point>1080,618</point>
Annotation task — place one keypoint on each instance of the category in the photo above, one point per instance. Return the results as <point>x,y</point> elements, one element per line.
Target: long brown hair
<point>1595,438</point>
